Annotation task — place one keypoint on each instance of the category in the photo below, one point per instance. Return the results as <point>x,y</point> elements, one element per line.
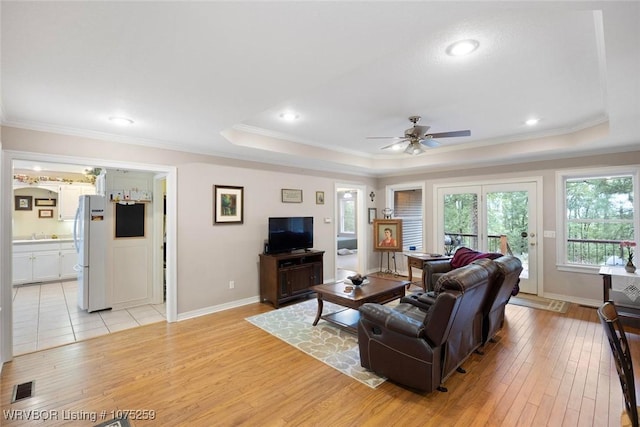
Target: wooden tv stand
<point>287,276</point>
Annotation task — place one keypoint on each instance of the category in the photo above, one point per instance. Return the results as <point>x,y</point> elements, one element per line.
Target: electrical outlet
<point>232,284</point>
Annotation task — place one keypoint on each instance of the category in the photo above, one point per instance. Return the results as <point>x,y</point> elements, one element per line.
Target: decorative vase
<point>630,268</point>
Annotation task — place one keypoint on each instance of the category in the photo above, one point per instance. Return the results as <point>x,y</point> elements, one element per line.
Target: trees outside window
<point>598,213</point>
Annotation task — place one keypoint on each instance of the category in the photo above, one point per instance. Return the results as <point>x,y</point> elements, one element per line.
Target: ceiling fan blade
<point>430,142</point>
<point>394,145</point>
<point>421,131</point>
<point>386,137</point>
<point>450,134</point>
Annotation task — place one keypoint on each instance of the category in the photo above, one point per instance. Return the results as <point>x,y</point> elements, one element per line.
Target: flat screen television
<point>288,234</point>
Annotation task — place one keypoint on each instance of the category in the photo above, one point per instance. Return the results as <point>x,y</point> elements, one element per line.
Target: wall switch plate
<point>232,284</point>
<point>327,220</point>
<point>550,234</point>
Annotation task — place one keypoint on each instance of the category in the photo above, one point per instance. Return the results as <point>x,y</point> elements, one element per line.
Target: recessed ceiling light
<point>532,122</point>
<point>37,168</point>
<point>462,47</point>
<point>289,116</point>
<point>120,121</point>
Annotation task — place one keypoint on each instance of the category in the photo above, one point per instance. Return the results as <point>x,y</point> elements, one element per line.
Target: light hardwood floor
<point>219,370</point>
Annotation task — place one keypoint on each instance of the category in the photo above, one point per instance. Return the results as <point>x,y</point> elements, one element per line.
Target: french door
<point>492,218</point>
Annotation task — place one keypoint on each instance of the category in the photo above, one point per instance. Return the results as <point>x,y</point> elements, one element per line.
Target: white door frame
<point>6,248</point>
<point>361,221</point>
<point>534,186</point>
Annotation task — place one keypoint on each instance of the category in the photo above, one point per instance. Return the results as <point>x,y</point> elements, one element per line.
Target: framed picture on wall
<point>372,215</point>
<point>387,235</point>
<point>319,197</point>
<point>228,204</point>
<point>45,213</point>
<point>45,202</point>
<point>23,203</point>
<point>291,196</point>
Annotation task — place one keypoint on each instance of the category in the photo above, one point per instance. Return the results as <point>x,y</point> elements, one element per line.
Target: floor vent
<point>22,391</point>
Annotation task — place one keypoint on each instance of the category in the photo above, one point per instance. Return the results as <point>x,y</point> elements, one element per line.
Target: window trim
<point>561,208</point>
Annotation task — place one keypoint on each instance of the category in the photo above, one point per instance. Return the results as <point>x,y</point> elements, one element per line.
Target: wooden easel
<point>390,255</point>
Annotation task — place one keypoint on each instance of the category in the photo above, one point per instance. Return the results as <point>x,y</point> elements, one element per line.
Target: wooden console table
<point>624,290</point>
<point>417,260</point>
<point>288,276</point>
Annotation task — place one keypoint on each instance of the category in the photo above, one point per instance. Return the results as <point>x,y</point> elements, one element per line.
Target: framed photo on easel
<point>387,235</point>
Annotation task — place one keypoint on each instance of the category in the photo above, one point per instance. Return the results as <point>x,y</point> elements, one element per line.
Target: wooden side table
<point>417,260</point>
<point>624,290</point>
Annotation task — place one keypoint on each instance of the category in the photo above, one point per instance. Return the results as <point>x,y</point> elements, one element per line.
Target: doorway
<point>493,217</point>
<point>166,176</point>
<point>349,230</point>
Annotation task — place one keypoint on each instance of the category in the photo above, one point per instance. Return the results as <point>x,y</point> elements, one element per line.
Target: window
<point>407,205</point>
<point>598,211</point>
<point>347,213</point>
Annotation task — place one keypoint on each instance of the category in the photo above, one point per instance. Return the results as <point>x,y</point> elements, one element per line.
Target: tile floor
<point>47,315</point>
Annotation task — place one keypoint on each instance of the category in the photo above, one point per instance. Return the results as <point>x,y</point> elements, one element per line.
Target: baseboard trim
<point>217,308</point>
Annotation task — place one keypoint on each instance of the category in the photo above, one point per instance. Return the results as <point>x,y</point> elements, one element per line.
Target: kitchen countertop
<point>25,241</point>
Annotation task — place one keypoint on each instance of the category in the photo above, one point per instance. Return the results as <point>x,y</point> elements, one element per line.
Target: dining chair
<point>622,356</point>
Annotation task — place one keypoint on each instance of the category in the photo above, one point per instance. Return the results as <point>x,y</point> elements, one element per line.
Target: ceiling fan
<point>417,137</point>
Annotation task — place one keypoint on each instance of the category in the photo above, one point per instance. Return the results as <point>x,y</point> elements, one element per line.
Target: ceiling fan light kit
<point>418,138</point>
<point>414,148</point>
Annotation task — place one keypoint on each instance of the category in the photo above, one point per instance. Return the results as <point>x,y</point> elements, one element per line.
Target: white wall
<point>208,255</point>
<point>25,223</point>
<point>575,287</point>
<point>130,260</point>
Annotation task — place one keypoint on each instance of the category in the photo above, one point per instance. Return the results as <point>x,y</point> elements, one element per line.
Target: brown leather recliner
<point>404,343</point>
<point>509,268</point>
<point>383,352</point>
<point>432,271</point>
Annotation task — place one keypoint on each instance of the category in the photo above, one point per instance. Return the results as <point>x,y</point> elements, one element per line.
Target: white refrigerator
<point>89,235</point>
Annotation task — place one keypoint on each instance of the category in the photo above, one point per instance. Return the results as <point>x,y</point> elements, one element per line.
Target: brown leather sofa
<point>433,270</point>
<point>419,347</point>
<point>504,278</point>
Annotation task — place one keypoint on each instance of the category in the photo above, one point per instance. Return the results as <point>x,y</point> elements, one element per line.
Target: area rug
<point>540,303</point>
<point>329,344</point>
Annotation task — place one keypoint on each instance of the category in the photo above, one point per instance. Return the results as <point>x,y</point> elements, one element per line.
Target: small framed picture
<point>45,213</point>
<point>291,196</point>
<point>387,235</point>
<point>319,197</point>
<point>23,203</point>
<point>372,215</point>
<point>45,202</point>
<point>228,204</point>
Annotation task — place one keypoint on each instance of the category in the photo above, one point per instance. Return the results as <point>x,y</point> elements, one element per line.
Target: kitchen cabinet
<point>68,260</point>
<point>22,267</point>
<point>36,262</point>
<point>68,195</point>
<point>43,261</point>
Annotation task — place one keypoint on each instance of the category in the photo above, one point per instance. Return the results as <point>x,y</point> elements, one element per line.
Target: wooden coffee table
<point>379,290</point>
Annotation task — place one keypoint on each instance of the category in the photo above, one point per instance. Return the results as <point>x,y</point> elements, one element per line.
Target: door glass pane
<point>508,215</point>
<point>460,221</point>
